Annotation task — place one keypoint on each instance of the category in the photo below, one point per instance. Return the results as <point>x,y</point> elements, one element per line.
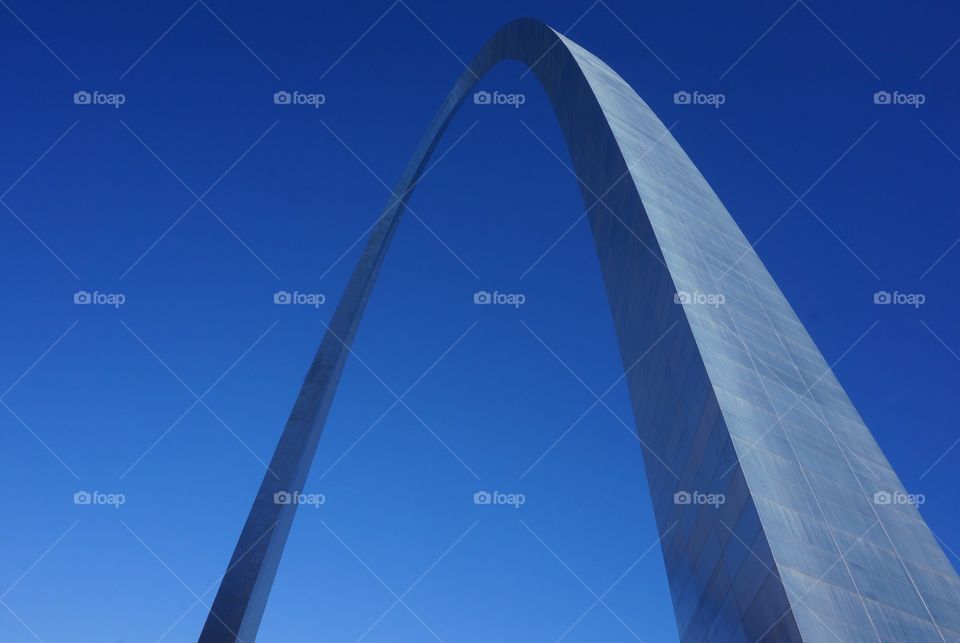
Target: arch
<point>730,397</point>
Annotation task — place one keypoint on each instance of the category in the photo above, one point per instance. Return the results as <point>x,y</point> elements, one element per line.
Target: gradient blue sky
<point>104,399</point>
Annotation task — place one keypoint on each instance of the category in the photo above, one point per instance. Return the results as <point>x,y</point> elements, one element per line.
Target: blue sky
<point>198,198</point>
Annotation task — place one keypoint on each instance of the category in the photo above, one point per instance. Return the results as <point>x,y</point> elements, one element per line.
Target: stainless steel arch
<point>732,398</point>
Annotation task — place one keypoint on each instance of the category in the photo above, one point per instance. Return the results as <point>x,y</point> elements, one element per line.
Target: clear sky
<point>198,198</point>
